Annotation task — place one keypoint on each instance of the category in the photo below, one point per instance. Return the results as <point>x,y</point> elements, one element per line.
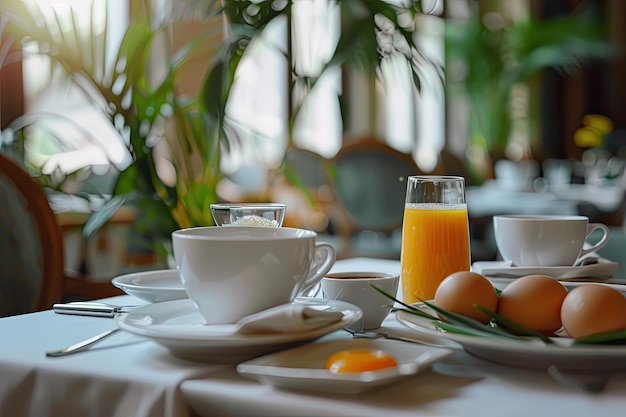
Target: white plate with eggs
<point>528,353</point>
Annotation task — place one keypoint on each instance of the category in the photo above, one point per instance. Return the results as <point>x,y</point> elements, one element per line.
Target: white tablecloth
<point>127,376</point>
<point>123,376</point>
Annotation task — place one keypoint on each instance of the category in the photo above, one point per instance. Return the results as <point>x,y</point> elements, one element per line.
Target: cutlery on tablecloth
<point>90,308</point>
<point>365,334</point>
<point>81,346</point>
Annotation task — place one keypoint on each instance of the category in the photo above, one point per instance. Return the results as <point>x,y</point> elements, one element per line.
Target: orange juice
<point>435,243</point>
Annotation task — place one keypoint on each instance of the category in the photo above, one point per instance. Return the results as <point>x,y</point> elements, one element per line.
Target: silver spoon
<point>372,335</point>
<point>81,346</point>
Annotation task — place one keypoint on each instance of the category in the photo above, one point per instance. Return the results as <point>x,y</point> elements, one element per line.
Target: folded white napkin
<point>288,318</point>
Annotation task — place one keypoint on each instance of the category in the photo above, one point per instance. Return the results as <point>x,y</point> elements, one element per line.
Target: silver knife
<point>90,308</point>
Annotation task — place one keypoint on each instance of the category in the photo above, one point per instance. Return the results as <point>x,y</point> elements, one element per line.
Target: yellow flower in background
<point>586,137</point>
<point>593,132</point>
<point>599,122</point>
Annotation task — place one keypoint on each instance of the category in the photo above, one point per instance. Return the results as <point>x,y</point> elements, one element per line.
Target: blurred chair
<point>303,183</point>
<point>310,169</point>
<point>610,177</point>
<point>557,171</point>
<point>31,245</point>
<point>453,164</point>
<point>32,275</point>
<point>369,180</point>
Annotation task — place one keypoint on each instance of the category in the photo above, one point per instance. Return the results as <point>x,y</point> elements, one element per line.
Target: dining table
<point>127,375</point>
<point>491,198</point>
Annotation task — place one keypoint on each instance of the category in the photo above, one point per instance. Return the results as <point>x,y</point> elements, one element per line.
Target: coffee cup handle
<point>605,238</point>
<point>324,261</point>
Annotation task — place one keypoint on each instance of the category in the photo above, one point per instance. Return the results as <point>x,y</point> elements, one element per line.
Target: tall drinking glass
<point>435,234</point>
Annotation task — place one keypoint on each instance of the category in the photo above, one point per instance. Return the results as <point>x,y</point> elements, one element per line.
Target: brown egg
<point>534,302</point>
<point>461,291</point>
<point>593,309</point>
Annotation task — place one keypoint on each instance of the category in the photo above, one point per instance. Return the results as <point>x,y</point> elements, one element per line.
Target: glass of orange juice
<point>435,234</point>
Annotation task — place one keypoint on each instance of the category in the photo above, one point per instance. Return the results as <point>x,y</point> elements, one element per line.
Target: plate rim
<point>121,282</point>
<point>512,346</point>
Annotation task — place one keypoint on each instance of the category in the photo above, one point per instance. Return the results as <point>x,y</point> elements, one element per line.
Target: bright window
<point>409,121</point>
<point>74,134</point>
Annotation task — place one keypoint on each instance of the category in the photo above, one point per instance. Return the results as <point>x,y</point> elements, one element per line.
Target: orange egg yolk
<point>359,360</point>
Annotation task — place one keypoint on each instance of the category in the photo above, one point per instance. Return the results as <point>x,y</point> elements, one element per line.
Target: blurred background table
<point>110,251</point>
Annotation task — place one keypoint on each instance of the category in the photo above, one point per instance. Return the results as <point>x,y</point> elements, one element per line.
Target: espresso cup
<point>545,240</point>
<point>232,272</point>
<point>355,288</point>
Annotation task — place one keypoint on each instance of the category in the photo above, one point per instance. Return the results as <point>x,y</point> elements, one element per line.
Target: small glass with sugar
<point>248,214</point>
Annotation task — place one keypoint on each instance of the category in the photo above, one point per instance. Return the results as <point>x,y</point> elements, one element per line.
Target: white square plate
<point>302,368</point>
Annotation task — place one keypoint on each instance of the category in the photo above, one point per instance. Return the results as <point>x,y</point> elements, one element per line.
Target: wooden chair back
<point>32,263</point>
<point>370,183</point>
<point>31,244</point>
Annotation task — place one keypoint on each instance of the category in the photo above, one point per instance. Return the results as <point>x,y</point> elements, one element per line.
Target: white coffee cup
<point>232,272</point>
<point>545,240</point>
<point>355,288</point>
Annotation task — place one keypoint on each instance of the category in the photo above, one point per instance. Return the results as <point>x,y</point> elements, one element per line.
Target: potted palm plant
<point>496,55</point>
<point>138,107</point>
<point>147,111</point>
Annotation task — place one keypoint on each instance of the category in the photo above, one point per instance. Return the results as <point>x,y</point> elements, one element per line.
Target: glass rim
<point>438,177</point>
<point>249,206</point>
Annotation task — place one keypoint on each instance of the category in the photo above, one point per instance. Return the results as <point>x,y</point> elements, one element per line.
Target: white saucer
<point>302,368</point>
<point>178,326</point>
<point>503,269</point>
<point>152,286</point>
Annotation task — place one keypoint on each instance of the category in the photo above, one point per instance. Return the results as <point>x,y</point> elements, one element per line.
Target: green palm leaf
<point>495,60</point>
